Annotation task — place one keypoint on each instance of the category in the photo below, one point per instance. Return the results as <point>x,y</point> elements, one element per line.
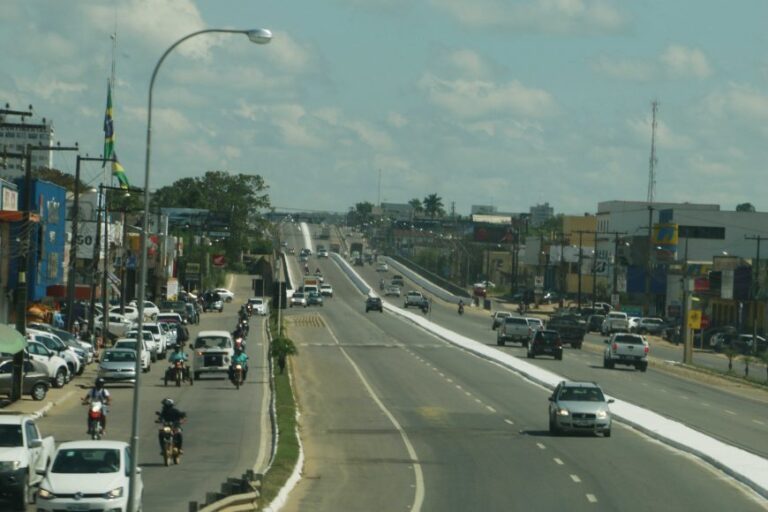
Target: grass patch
<point>287,445</point>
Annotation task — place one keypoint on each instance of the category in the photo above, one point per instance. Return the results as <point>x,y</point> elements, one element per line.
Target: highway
<point>227,431</point>
<point>395,419</point>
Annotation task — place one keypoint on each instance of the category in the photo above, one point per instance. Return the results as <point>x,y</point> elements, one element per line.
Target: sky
<point>509,103</point>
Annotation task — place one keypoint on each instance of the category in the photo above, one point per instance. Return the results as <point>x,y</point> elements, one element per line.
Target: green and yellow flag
<point>109,129</point>
<point>119,172</point>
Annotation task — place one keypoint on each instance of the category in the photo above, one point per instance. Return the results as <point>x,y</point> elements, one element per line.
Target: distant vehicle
<point>325,232</point>
<point>615,321</point>
<point>498,318</point>
<point>607,308</point>
<point>534,323</point>
<point>392,291</point>
<point>118,365</point>
<point>326,290</point>
<point>547,342</point>
<point>579,407</point>
<point>212,301</point>
<point>626,349</point>
<point>594,322</point>
<point>150,309</point>
<point>374,304</point>
<point>414,298</point>
<point>117,324</point>
<point>226,295</point>
<point>655,326</point>
<point>314,299</point>
<point>298,299</point>
<point>397,280</point>
<point>259,306</point>
<point>514,328</point>
<point>571,328</point>
<point>632,323</point>
<point>213,351</point>
<point>322,253</point>
<point>382,267</point>
<point>550,297</point>
<point>24,454</point>
<point>130,344</point>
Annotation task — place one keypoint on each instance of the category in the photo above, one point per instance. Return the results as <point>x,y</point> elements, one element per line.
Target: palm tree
<point>415,203</point>
<point>433,206</point>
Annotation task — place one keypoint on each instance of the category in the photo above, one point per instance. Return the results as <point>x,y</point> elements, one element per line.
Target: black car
<point>545,341</point>
<point>374,304</point>
<point>594,322</point>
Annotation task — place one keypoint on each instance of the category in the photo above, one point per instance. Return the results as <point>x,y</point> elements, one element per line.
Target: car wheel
<point>500,342</point>
<point>197,375</point>
<point>22,498</point>
<point>559,356</point>
<point>607,432</point>
<point>605,363</point>
<point>530,355</point>
<point>643,367</point>
<point>153,357</point>
<point>553,427</point>
<point>60,379</point>
<point>39,391</point>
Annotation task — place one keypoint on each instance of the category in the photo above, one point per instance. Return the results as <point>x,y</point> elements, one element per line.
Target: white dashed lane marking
<point>558,461</point>
<point>509,422</point>
<point>591,498</point>
<point>730,412</point>
<point>575,478</point>
<point>541,446</point>
<point>490,408</point>
<point>758,422</point>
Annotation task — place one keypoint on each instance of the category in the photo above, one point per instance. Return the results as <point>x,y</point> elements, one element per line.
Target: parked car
<point>117,324</point>
<point>54,343</point>
<point>89,475</point>
<point>148,338</point>
<point>741,343</point>
<point>374,304</point>
<point>545,341</point>
<point>130,312</point>
<point>35,383</point>
<point>579,407</point>
<point>649,325</point>
<point>150,309</point>
<point>55,366</point>
<point>84,349</point>
<point>175,306</point>
<point>118,365</point>
<point>298,299</point>
<point>160,337</point>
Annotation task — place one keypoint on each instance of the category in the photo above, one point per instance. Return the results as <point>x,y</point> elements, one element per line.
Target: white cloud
<point>624,69</point>
<point>287,54</point>
<point>365,132</point>
<point>681,61</point>
<point>469,64</point>
<point>665,137</point>
<point>740,100</point>
<point>232,152</point>
<point>477,98</point>
<point>699,165</point>
<point>549,16</point>
<point>51,89</point>
<point>291,121</point>
<point>165,121</point>
<point>397,120</point>
<point>156,22</point>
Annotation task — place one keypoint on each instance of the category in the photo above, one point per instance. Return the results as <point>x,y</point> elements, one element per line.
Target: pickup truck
<point>627,349</point>
<point>23,453</point>
<point>571,328</point>
<point>414,298</point>
<point>615,321</point>
<point>514,328</point>
<point>497,318</point>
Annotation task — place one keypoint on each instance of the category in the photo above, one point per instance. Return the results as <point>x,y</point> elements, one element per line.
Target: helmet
<point>99,382</point>
<point>177,348</point>
<point>167,402</point>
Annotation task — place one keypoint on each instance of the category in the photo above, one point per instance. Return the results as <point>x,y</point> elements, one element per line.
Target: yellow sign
<point>665,234</point>
<point>694,319</point>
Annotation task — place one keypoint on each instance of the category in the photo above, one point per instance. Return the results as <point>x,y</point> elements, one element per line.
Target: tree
<point>236,197</point>
<point>360,214</point>
<point>415,203</point>
<point>745,207</point>
<point>433,206</point>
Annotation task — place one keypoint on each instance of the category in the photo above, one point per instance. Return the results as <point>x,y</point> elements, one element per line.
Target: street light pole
<point>259,36</point>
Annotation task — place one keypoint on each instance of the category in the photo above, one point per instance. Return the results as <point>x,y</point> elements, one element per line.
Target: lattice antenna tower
<point>653,160</point>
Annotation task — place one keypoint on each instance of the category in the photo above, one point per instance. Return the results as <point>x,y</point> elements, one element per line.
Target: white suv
<point>55,366</point>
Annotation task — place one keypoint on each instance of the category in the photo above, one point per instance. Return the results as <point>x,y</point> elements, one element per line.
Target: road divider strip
<point>428,285</point>
<point>744,466</point>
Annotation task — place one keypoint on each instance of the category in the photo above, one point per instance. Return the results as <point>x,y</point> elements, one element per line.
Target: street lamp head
<point>259,35</point>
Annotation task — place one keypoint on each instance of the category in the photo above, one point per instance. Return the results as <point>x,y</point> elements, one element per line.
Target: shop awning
<point>16,216</point>
<point>59,291</point>
<point>11,340</point>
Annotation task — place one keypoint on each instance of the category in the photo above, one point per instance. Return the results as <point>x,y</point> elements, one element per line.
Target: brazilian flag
<point>119,172</point>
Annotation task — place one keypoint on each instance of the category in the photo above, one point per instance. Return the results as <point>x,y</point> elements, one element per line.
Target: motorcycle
<point>170,451</point>
<point>178,373</point>
<point>425,308</point>
<point>95,420</point>
<point>461,309</point>
<point>239,343</point>
<point>238,375</point>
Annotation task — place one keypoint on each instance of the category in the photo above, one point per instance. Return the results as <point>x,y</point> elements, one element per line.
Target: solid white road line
<point>418,498</point>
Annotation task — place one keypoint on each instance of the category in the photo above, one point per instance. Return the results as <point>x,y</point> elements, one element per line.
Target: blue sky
<point>500,102</point>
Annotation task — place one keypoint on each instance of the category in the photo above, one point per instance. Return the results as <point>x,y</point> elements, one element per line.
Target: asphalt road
<point>371,386</point>
<point>226,431</point>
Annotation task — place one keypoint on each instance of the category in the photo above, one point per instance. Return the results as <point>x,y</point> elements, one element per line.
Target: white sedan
<point>117,324</point>
<point>89,475</point>
<point>55,366</point>
<point>150,309</point>
<point>131,312</point>
<point>226,295</point>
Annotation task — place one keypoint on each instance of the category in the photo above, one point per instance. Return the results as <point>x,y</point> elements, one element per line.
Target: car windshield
<point>579,394</point>
<point>130,345</point>
<point>154,329</point>
<point>87,460</point>
<point>626,338</point>
<point>515,320</point>
<point>298,295</point>
<point>547,336</point>
<point>213,342</point>
<point>114,356</point>
<point>10,436</point>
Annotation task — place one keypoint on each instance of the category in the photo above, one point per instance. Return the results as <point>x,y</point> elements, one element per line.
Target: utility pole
<point>653,160</point>
<point>104,283</point>
<point>684,331</point>
<point>756,287</point>
<point>578,296</point>
<point>615,258</point>
<point>648,296</point>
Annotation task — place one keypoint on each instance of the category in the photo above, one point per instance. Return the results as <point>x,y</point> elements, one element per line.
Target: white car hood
<point>16,453</point>
<point>93,483</point>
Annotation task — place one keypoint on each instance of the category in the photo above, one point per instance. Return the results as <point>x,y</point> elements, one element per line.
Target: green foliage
<point>745,207</point>
<point>433,206</point>
<point>415,203</point>
<point>550,226</point>
<point>360,214</point>
<point>240,196</point>
<point>236,267</point>
<point>282,346</point>
<point>261,246</point>
<point>59,178</point>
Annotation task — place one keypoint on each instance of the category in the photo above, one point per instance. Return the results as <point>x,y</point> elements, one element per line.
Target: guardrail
<point>425,283</point>
<point>431,277</point>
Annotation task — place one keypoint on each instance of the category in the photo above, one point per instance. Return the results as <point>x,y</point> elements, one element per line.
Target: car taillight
<point>646,349</point>
<point>615,347</point>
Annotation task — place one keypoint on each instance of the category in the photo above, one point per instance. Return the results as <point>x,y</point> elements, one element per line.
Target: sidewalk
<point>55,396</point>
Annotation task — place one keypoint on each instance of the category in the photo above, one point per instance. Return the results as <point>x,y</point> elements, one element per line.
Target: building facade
<point>14,138</point>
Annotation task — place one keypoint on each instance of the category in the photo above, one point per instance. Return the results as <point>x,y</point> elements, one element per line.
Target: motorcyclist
<point>178,355</point>
<point>306,268</point>
<point>461,307</point>
<point>239,331</point>
<point>240,358</point>
<point>170,414</point>
<point>98,393</point>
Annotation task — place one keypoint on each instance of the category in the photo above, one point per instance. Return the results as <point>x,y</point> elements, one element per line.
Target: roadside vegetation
<point>287,452</point>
